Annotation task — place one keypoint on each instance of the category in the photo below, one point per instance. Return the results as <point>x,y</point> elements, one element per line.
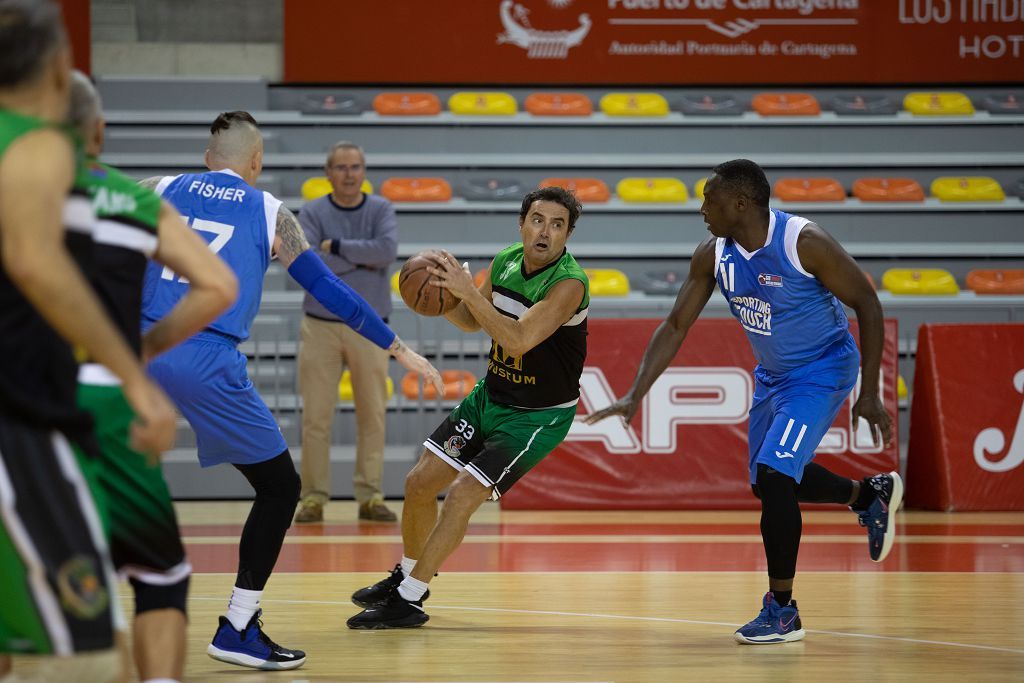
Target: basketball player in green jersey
<point>58,596</point>
<point>534,307</point>
<point>133,225</point>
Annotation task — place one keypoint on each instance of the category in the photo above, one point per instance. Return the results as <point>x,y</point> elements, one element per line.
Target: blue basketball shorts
<point>207,380</point>
<point>791,413</point>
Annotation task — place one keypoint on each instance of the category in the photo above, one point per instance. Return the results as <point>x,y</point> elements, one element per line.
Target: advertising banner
<point>967,418</point>
<point>662,42</point>
<point>687,446</point>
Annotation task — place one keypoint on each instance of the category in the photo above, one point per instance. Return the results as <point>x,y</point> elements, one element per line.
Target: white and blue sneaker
<point>252,647</point>
<point>774,624</point>
<point>880,517</point>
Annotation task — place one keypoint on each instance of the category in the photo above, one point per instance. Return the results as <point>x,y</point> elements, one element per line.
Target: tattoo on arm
<point>151,182</point>
<point>292,238</point>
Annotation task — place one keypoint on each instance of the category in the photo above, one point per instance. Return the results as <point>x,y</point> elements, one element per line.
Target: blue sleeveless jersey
<point>238,221</point>
<point>789,317</point>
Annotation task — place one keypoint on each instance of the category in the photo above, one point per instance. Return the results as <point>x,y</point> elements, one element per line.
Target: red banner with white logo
<point>665,42</point>
<point>967,418</point>
<point>687,446</point>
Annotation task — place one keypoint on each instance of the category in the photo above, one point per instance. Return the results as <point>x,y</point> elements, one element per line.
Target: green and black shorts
<point>58,592</point>
<point>498,443</point>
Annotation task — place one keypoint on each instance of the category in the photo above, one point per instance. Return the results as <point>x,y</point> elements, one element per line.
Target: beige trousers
<point>328,348</point>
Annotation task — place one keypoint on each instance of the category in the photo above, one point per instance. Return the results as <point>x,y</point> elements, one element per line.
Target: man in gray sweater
<point>358,238</point>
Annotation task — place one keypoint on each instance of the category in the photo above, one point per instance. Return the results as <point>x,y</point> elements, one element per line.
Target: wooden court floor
<point>630,597</point>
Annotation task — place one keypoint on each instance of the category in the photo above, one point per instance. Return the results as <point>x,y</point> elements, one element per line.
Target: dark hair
<point>225,120</point>
<point>742,176</point>
<point>559,195</point>
<point>29,31</point>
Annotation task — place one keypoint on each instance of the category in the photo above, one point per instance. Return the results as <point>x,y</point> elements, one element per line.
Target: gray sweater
<point>367,245</point>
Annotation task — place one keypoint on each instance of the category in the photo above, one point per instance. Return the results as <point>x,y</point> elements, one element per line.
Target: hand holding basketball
<point>414,283</point>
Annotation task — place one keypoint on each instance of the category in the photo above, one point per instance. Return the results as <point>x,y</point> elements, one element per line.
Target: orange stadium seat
<point>1008,281</point>
<point>607,282</point>
<point>938,104</point>
<point>586,189</point>
<point>967,189</point>
<point>786,104</point>
<point>416,189</point>
<point>482,103</point>
<point>345,392</point>
<point>888,190</point>
<point>559,104</point>
<point>809,190</point>
<point>457,384</point>
<point>407,104</point>
<point>926,281</point>
<point>634,104</point>
<point>651,190</point>
<point>480,278</point>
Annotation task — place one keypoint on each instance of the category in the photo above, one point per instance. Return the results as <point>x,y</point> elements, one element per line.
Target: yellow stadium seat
<point>314,188</point>
<point>394,283</point>
<point>967,189</point>
<point>345,387</point>
<point>901,387</point>
<point>607,282</point>
<point>482,103</point>
<point>698,188</point>
<point>927,281</point>
<point>634,104</point>
<point>651,190</point>
<point>938,104</point>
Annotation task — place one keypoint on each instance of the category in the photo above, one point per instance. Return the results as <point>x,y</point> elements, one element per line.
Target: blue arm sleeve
<point>340,299</point>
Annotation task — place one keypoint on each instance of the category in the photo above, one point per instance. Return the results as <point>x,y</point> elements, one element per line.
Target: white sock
<point>408,564</point>
<point>242,606</point>
<point>161,680</point>
<point>412,589</point>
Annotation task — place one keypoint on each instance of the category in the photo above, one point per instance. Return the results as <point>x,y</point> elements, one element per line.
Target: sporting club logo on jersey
<point>81,591</point>
<point>768,280</point>
<point>754,314</point>
<point>454,445</point>
<point>508,270</point>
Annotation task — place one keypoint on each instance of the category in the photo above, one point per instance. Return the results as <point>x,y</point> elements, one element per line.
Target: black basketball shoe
<point>378,592</point>
<point>394,612</point>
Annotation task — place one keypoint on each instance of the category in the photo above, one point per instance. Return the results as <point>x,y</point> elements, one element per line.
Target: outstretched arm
<point>308,270</point>
<point>213,287</point>
<point>692,297</point>
<point>824,258</point>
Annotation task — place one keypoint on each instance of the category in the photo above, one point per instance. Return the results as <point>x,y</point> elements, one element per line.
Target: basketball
<point>418,293</point>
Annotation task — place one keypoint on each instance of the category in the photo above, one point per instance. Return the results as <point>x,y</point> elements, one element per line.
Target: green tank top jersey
<point>124,238</point>
<point>548,375</point>
<point>38,373</point>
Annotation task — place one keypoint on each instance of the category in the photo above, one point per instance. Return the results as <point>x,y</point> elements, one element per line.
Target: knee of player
<point>466,494</point>
<point>771,482</point>
<point>153,596</point>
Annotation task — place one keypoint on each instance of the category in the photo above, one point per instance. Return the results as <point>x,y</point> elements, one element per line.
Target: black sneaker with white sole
<point>378,592</point>
<point>394,612</point>
<point>880,517</point>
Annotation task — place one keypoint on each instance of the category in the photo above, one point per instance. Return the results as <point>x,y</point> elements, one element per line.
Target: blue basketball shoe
<point>774,624</point>
<point>252,647</point>
<point>880,517</point>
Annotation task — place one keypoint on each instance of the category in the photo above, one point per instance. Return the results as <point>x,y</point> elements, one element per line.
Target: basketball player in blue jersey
<point>206,376</point>
<point>784,278</point>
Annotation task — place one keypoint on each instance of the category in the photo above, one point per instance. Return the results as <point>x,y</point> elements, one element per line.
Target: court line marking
<point>623,539</point>
<point>626,617</point>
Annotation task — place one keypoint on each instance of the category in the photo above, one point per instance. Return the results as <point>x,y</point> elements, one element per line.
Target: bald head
<point>236,143</point>
<point>85,111</point>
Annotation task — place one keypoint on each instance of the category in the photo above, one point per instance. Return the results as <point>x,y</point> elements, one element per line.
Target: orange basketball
<point>418,293</point>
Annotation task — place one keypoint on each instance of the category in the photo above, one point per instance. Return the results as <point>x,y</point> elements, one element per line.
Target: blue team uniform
<point>206,376</point>
<point>807,358</point>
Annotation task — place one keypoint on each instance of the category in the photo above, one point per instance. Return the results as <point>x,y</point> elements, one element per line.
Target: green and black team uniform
<point>56,583</point>
<point>145,542</point>
<point>525,405</point>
